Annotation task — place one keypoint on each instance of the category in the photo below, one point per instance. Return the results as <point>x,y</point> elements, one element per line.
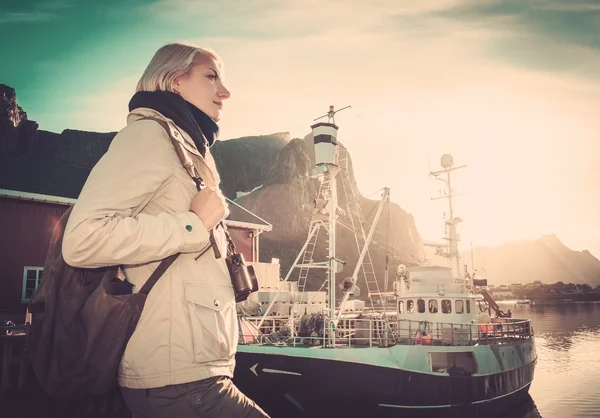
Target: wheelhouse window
<point>421,305</point>
<point>400,306</point>
<point>410,306</point>
<point>459,306</point>
<point>468,303</point>
<point>446,306</point>
<point>433,305</point>
<point>31,280</point>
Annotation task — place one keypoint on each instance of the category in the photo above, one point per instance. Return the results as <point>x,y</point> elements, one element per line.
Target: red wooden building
<point>33,196</point>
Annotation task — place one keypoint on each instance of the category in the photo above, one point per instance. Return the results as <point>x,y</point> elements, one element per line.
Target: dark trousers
<point>215,397</point>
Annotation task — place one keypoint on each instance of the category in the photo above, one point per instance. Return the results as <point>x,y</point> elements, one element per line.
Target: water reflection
<point>568,368</point>
<point>526,409</point>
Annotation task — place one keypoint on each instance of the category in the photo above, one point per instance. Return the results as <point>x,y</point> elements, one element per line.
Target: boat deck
<point>369,332</point>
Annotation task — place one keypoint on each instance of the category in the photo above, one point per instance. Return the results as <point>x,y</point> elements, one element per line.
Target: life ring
<point>423,338</point>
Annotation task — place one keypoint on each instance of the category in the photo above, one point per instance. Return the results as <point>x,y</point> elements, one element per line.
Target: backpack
<point>82,318</point>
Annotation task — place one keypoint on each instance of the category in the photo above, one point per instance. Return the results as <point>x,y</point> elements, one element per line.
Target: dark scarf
<point>188,117</point>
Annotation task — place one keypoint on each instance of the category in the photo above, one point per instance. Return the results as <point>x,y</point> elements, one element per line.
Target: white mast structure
<point>327,167</point>
<point>447,162</point>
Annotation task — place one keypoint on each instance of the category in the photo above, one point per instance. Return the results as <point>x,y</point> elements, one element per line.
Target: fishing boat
<point>445,345</point>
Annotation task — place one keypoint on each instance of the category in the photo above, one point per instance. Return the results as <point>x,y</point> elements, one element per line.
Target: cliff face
<point>71,147</point>
<point>244,163</point>
<point>286,201</point>
<point>16,131</point>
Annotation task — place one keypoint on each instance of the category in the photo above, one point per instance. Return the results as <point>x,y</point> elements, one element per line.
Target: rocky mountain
<point>244,163</point>
<point>546,259</point>
<point>251,156</point>
<point>16,131</point>
<point>286,201</point>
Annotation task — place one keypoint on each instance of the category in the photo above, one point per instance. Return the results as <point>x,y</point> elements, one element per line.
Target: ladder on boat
<point>357,220</point>
<point>319,219</point>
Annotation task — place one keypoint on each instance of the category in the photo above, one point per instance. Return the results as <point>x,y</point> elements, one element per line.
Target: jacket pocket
<point>214,321</point>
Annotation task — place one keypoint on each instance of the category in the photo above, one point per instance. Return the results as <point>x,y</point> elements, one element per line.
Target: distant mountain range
<point>546,259</point>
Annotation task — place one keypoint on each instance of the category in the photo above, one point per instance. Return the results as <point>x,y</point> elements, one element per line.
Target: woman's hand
<point>210,206</point>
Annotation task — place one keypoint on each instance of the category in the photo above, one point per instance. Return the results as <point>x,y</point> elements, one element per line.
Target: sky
<point>510,88</point>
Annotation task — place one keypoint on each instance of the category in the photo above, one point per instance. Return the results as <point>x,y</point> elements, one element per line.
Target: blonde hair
<point>172,61</point>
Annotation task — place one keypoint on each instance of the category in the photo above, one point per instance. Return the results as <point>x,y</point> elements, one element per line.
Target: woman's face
<point>203,87</point>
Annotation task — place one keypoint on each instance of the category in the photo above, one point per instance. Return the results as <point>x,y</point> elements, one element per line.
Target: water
<point>567,374</point>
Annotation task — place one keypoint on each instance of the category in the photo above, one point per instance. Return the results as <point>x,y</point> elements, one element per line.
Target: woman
<point>139,206</point>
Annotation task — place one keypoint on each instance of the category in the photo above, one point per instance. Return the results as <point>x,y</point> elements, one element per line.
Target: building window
<point>433,306</point>
<point>468,306</point>
<point>31,280</point>
<point>421,305</point>
<point>446,306</point>
<point>459,306</point>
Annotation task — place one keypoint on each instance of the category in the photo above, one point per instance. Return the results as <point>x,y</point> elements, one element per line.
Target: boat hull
<point>379,382</point>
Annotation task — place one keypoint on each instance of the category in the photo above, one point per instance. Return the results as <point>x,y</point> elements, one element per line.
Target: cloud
<point>540,32</point>
<point>27,17</point>
<point>542,38</point>
<point>258,18</point>
<point>545,35</point>
<point>54,4</point>
<point>571,6</point>
<point>42,11</point>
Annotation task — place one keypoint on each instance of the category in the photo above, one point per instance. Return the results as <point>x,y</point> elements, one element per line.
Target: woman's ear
<point>176,86</point>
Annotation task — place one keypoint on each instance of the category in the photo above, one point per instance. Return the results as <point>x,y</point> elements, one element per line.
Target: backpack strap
<point>182,153</point>
<point>156,274</point>
<point>191,169</point>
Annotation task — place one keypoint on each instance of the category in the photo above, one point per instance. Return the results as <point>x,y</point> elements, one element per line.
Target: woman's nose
<point>223,93</point>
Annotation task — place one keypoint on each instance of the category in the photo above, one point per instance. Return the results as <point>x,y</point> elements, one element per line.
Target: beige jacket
<point>134,211</point>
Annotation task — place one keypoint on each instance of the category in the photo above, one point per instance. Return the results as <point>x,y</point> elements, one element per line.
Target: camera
<point>242,276</point>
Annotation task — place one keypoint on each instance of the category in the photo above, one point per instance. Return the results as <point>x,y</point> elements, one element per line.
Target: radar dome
<point>447,161</point>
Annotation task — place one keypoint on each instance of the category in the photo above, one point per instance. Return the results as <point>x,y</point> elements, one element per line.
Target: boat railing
<point>499,330</point>
<point>369,332</point>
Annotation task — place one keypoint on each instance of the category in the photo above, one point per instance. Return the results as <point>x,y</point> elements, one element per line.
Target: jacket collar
<point>145,112</point>
<point>205,164</point>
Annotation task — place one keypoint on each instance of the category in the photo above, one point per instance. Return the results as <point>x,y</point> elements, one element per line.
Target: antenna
<point>447,162</point>
<point>331,114</point>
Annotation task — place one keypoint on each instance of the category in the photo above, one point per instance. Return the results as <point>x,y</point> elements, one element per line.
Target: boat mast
<point>326,169</point>
<point>452,237</point>
<point>472,258</point>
